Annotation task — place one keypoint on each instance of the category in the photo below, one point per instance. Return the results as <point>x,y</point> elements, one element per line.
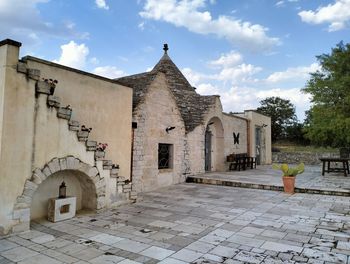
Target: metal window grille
<point>164,156</point>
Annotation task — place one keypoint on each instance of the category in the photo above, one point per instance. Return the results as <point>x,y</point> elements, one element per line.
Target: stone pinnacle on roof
<point>165,48</point>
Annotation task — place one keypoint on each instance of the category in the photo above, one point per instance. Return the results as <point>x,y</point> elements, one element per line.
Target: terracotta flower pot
<point>288,183</point>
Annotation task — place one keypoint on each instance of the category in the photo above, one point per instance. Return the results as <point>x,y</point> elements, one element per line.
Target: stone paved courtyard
<point>193,223</point>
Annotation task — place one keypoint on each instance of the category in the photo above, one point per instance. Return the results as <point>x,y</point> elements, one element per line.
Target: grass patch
<point>284,147</point>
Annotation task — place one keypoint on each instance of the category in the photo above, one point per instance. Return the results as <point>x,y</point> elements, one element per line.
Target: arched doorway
<point>214,145</point>
<point>84,179</point>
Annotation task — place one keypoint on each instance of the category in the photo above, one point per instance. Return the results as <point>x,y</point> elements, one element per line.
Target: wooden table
<point>344,168</point>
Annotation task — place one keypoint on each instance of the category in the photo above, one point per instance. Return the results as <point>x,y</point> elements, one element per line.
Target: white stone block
<point>61,208</point>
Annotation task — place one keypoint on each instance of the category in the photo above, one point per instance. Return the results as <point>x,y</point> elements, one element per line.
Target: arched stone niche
<point>83,178</point>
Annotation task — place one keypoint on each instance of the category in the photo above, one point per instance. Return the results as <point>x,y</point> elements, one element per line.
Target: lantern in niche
<point>62,192</point>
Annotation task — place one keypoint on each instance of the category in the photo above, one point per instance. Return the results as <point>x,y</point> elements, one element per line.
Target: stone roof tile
<point>192,106</point>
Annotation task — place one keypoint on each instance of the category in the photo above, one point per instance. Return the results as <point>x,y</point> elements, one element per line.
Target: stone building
<point>158,130</point>
<point>187,130</point>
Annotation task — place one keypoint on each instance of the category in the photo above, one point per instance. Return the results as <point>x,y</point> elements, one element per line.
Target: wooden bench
<point>241,161</point>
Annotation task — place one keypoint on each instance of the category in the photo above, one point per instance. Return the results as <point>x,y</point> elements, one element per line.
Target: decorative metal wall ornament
<point>235,138</point>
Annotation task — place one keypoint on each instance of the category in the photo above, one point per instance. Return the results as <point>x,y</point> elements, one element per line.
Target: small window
<point>164,156</point>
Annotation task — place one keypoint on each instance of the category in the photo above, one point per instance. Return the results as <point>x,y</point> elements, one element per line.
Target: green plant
<point>289,171</point>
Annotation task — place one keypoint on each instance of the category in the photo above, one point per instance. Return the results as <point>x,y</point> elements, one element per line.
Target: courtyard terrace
<point>195,223</point>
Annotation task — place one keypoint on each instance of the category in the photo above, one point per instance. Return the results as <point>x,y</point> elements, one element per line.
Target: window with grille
<point>164,156</point>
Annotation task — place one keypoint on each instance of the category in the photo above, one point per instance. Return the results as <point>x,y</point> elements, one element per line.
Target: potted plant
<point>289,174</point>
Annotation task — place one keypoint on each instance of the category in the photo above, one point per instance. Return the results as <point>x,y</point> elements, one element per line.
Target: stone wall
<point>154,115</point>
<point>297,157</point>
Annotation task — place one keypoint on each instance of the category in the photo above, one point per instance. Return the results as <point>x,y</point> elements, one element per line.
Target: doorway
<point>208,147</point>
<point>258,145</point>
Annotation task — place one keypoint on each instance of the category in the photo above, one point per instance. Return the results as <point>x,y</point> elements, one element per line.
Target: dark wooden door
<point>208,137</point>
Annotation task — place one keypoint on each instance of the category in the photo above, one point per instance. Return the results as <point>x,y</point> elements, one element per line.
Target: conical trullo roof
<point>192,106</point>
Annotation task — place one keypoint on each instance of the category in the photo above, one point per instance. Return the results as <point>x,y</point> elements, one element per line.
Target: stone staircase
<point>46,88</point>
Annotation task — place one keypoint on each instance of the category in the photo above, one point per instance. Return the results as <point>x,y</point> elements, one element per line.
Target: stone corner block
<point>22,67</point>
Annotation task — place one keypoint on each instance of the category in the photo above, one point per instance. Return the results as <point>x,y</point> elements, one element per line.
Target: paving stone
<point>43,239</point>
<point>341,245</point>
<point>6,245</point>
<point>157,252</point>
<point>224,251</point>
<point>200,246</point>
<point>324,256</point>
<point>280,247</point>
<point>18,253</point>
<point>40,259</point>
<point>172,261</point>
<point>106,259</point>
<point>249,257</point>
<point>246,241</point>
<point>131,246</point>
<point>106,239</point>
<point>187,255</point>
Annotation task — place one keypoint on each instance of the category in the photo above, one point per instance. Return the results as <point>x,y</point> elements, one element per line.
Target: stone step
<point>91,145</point>
<point>53,101</point>
<point>74,125</point>
<point>114,171</point>
<point>64,112</point>
<point>271,187</point>
<point>107,164</point>
<point>83,135</point>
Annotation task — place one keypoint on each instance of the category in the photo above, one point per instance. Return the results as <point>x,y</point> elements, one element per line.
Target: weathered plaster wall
<point>18,102</point>
<point>98,103</point>
<point>259,120</point>
<point>33,138</point>
<point>233,124</point>
<point>154,115</point>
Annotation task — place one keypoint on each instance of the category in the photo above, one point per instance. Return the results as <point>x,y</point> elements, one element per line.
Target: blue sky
<point>242,50</point>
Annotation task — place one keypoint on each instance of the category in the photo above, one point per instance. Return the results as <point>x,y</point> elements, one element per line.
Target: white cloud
<point>240,90</point>
<point>227,60</point>
<point>337,15</point>
<point>238,74</point>
<point>207,89</point>
<point>193,77</point>
<point>230,69</point>
<point>297,73</point>
<point>111,72</point>
<point>73,55</point>
<point>19,15</point>
<point>101,4</point>
<point>279,3</point>
<point>21,19</point>
<point>185,13</point>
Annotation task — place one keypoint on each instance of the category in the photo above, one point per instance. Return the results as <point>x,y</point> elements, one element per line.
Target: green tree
<point>329,116</point>
<point>282,113</point>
